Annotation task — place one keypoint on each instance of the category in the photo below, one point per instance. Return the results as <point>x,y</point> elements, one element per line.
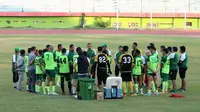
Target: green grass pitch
<point>12,100</point>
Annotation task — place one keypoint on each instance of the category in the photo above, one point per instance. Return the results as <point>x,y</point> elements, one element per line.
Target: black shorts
<point>67,76</point>
<point>182,72</point>
<point>172,74</point>
<point>126,77</point>
<point>101,76</point>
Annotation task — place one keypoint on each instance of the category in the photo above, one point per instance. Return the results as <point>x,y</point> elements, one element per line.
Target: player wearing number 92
<point>126,65</point>
<point>102,62</point>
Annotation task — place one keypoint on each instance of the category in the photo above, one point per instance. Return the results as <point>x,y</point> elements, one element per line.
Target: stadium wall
<point>126,20</point>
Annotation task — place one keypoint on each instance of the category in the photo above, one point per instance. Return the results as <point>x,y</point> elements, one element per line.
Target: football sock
<point>124,87</point>
<point>54,88</point>
<point>39,89</point>
<point>163,86</point>
<point>36,88</point>
<point>70,86</point>
<point>149,91</point>
<point>57,79</point>
<point>131,87</point>
<point>48,89</point>
<point>27,87</point>
<point>74,90</point>
<point>141,90</point>
<point>44,87</point>
<point>169,84</point>
<point>153,86</point>
<point>166,86</point>
<point>62,84</point>
<point>136,88</point>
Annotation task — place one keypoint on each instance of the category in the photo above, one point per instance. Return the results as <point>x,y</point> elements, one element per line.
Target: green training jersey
<point>137,69</point>
<point>166,64</point>
<point>153,62</point>
<point>57,54</point>
<point>174,62</point>
<point>38,63</point>
<point>91,54</point>
<point>74,58</point>
<point>117,56</point>
<point>49,61</point>
<point>63,64</point>
<point>71,55</point>
<point>26,61</point>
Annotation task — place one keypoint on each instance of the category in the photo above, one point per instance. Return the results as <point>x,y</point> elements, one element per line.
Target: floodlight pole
<point>185,20</point>
<point>151,15</point>
<point>117,18</point>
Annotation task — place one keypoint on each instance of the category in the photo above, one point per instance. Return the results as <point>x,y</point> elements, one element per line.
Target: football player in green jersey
<point>161,50</point>
<point>64,72</point>
<point>50,70</point>
<point>39,71</point>
<point>74,75</point>
<point>26,70</point>
<point>152,69</point>
<point>91,54</point>
<point>174,58</point>
<point>137,72</point>
<point>57,54</point>
<point>183,65</point>
<point>116,57</point>
<point>165,68</point>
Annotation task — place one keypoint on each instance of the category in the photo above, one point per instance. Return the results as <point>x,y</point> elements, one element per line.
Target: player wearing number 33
<point>126,65</point>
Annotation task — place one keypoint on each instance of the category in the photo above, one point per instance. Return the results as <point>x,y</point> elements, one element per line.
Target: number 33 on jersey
<point>126,62</point>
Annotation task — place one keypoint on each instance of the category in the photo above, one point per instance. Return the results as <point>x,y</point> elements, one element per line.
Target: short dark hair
<point>33,48</point>
<point>89,43</point>
<point>169,48</point>
<point>151,44</point>
<point>64,50</point>
<point>59,45</point>
<point>152,47</point>
<point>100,49</point>
<point>29,50</point>
<point>40,52</point>
<point>45,50</point>
<point>162,47</point>
<point>175,49</point>
<point>125,48</point>
<point>166,50</point>
<point>137,52</point>
<point>78,49</point>
<point>182,48</point>
<point>22,52</point>
<point>135,43</point>
<point>47,46</point>
<point>70,46</point>
<point>120,47</point>
<point>148,47</point>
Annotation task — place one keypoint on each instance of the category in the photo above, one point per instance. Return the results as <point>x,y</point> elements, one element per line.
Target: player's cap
<point>17,49</point>
<point>104,45</point>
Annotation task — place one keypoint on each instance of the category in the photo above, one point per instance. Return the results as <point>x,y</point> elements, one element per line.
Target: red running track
<point>62,31</point>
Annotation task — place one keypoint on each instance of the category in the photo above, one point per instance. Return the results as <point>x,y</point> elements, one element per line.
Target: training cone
<point>176,96</point>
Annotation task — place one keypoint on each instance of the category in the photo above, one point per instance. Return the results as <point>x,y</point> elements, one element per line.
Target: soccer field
<point>13,100</point>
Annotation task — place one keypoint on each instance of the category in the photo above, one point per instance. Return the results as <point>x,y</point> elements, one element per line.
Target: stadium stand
<point>143,6</point>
